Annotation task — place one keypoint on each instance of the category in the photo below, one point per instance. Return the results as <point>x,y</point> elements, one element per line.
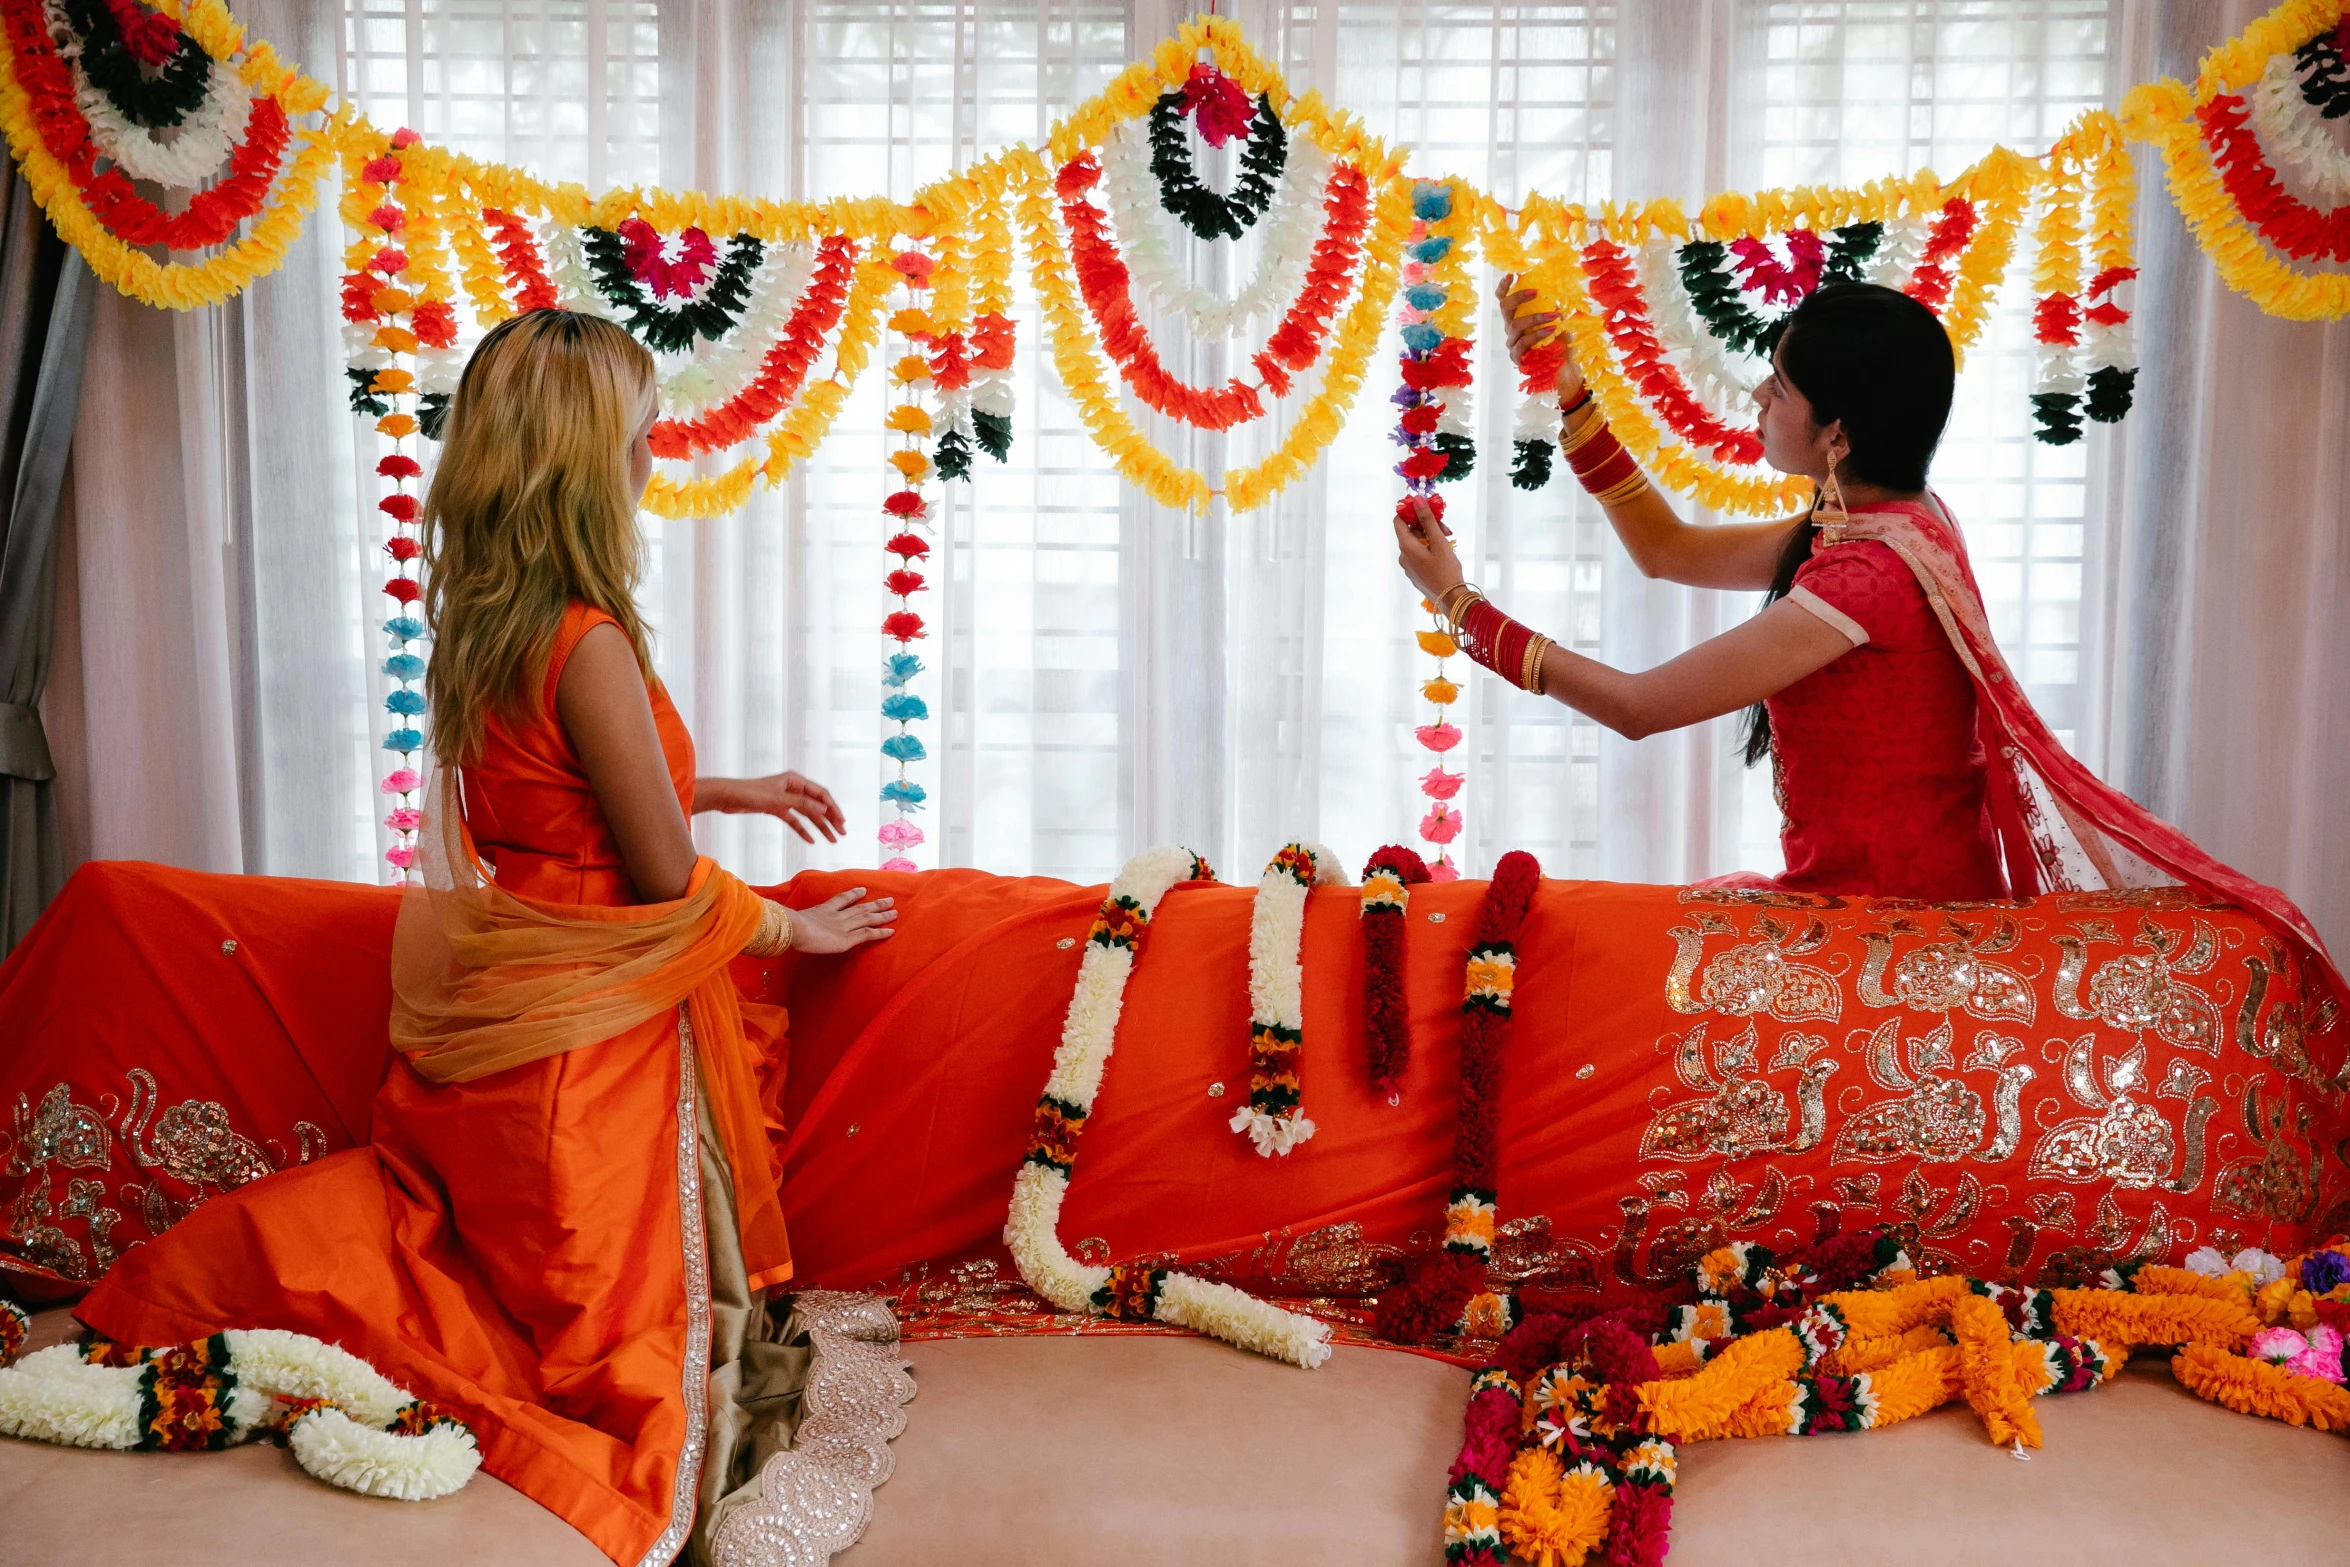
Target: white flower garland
<point>1032,1225</point>
<point>53,1395</point>
<point>1896,260</point>
<point>567,269</point>
<point>1725,389</point>
<point>1286,247</point>
<point>733,363</point>
<point>2293,133</point>
<point>1274,1116</point>
<point>200,145</point>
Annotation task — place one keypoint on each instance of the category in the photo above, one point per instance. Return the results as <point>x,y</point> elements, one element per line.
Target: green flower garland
<point>1199,209</point>
<point>156,102</point>
<point>1714,293</point>
<point>663,328</point>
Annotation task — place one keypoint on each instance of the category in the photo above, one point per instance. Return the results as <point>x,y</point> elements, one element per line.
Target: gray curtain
<point>44,322</point>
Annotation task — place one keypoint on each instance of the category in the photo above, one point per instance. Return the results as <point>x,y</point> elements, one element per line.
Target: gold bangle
<point>773,938</point>
<point>1623,490</point>
<point>1530,677</point>
<point>1455,603</point>
<point>1581,428</point>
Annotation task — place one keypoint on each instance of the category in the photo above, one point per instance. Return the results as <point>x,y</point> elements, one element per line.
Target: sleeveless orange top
<point>534,816</point>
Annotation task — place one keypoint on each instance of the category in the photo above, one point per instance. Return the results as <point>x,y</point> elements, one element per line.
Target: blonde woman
<point>524,1241</point>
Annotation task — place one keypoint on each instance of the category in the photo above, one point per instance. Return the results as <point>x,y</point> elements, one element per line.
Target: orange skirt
<point>498,1248</point>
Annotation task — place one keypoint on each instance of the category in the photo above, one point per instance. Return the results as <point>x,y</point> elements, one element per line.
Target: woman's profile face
<point>1792,441</point>
<point>640,455</point>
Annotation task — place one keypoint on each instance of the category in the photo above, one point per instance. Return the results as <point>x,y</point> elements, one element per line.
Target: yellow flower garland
<point>2254,1387</point>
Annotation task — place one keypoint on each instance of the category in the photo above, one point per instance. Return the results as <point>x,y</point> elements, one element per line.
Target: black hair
<point>1882,363</point>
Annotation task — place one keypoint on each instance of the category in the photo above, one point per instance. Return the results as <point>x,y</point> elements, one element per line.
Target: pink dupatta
<point>2061,828</point>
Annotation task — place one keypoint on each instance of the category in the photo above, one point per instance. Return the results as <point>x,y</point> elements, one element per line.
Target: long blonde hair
<point>530,508</point>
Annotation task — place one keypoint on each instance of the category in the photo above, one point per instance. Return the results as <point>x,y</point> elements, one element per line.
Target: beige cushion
<point>1151,1451</point>
<point>1148,1451</point>
<point>250,1505</point>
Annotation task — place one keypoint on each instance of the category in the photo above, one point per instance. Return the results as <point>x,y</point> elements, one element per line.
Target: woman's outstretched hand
<point>1536,329</point>
<point>1426,554</point>
<point>799,803</point>
<point>841,923</point>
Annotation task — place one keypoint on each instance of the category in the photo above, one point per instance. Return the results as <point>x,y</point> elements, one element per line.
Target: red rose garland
<point>1388,879</point>
<point>1451,1285</point>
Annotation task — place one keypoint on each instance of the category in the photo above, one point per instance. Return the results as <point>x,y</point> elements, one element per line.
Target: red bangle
<point>1609,469</point>
<point>1493,640</point>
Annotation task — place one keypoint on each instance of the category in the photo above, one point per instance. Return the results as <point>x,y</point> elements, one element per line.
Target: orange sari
<point>524,1244</point>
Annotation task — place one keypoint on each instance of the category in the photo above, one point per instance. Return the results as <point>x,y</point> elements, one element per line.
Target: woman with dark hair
<point>1907,759</point>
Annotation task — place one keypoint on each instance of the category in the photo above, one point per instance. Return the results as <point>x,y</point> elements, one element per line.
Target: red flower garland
<point>1294,344</point>
<point>1386,1021</point>
<point>1930,284</point>
<point>212,215</point>
<point>518,253</point>
<point>2291,225</point>
<point>780,373</point>
<point>1615,288</point>
<point>1761,272</point>
<point>1433,1300</point>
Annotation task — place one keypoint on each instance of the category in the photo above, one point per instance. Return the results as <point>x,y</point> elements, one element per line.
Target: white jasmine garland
<point>1032,1226</point>
<point>2295,135</point>
<point>1276,985</point>
<point>1286,246</point>
<point>567,269</point>
<point>1538,418</point>
<point>55,1396</point>
<point>200,145</point>
<point>726,367</point>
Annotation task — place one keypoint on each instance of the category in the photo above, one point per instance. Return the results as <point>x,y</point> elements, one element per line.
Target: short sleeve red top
<point>1880,769</point>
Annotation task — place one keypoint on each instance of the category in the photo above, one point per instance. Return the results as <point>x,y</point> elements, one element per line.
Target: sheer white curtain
<point>1107,674</point>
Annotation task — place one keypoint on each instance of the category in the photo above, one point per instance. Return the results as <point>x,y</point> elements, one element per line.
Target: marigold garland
<point>906,509</point>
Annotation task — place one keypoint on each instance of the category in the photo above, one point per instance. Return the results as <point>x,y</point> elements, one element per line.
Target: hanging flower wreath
<point>1132,1291</point>
<point>102,215</point>
<point>1219,106</point>
<point>2239,212</point>
<point>1274,1117</point>
<point>345,1422</point>
<point>2228,123</point>
<point>668,299</point>
<point>1388,879</point>
<point>752,377</point>
<point>1451,1290</point>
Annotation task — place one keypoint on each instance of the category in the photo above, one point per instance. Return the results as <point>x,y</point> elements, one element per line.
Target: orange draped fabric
<point>525,1241</point>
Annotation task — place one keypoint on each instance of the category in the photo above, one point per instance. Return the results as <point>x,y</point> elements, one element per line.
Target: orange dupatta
<point>484,981</point>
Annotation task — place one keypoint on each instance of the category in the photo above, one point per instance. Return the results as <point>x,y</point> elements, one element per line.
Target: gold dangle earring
<point>1828,510</point>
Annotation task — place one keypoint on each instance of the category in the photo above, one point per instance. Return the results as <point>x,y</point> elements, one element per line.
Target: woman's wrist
<point>716,794</point>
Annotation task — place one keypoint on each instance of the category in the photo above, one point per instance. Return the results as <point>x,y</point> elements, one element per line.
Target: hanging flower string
<point>1434,432</point>
<point>395,308</point>
<point>907,509</point>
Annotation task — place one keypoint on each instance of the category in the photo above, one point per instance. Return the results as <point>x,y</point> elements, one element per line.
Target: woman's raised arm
<point>1661,544</point>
